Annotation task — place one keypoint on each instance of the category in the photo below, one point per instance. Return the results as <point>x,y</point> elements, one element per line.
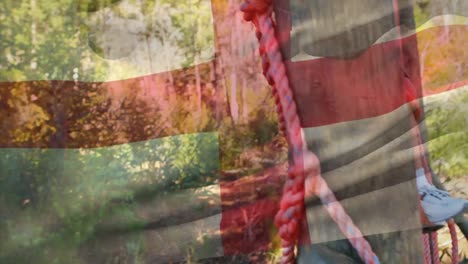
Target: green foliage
<point>83,162</point>
<point>447,125</point>
<point>35,39</point>
<point>69,198</point>
<point>55,202</point>
<point>238,139</point>
<point>420,15</point>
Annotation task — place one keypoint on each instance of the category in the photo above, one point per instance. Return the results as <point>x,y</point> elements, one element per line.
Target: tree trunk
<point>245,106</point>
<point>233,99</point>
<point>198,84</point>
<point>233,83</point>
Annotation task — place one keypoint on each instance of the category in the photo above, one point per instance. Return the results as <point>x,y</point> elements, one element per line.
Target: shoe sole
<point>460,209</point>
<point>430,229</point>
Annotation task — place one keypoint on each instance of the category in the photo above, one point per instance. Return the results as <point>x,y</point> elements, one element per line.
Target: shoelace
<point>425,193</point>
<point>434,192</point>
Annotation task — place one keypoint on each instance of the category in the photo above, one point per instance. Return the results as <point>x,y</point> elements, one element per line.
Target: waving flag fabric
<point>144,131</point>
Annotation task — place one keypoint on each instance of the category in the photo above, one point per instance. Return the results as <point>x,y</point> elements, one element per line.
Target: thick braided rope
<point>427,249</point>
<point>292,202</point>
<point>453,236</point>
<point>434,248</point>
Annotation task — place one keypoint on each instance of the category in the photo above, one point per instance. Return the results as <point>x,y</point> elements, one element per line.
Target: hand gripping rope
<point>302,161</point>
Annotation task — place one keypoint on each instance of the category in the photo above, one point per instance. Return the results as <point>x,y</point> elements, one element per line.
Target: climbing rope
<point>427,249</point>
<point>453,236</point>
<point>292,203</point>
<point>292,207</point>
<point>434,248</point>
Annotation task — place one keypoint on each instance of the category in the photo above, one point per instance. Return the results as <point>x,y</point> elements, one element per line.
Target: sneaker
<point>438,205</point>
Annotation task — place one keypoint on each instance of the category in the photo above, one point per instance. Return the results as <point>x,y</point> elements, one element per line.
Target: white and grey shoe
<point>437,205</point>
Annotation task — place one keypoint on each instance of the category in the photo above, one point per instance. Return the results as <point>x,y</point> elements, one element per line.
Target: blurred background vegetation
<point>76,154</point>
<point>82,156</point>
